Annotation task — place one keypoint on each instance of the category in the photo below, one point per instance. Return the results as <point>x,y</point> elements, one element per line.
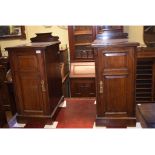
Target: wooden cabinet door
<point>29,82</point>
<point>115,69</point>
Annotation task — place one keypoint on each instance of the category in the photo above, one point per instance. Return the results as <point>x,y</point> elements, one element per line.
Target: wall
<point>135,33</point>
<point>30,32</point>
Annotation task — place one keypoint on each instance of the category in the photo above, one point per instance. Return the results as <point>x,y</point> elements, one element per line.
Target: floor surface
<point>72,113</point>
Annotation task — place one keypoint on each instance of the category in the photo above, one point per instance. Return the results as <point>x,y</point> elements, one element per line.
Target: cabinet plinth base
<point>49,119</point>
<point>116,122</point>
<point>25,119</point>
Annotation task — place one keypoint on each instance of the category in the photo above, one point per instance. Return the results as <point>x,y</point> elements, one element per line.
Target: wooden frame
<point>20,30</point>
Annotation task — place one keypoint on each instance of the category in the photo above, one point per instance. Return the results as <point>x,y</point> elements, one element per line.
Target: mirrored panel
<point>12,32</point>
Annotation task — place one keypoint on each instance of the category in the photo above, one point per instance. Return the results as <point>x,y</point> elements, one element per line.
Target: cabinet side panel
<point>27,82</point>
<point>53,75</point>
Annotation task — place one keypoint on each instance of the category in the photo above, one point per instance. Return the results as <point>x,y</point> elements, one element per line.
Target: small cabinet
<point>37,79</point>
<point>115,82</point>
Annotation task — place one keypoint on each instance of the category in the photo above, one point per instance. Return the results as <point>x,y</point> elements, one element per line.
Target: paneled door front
<point>115,71</point>
<point>30,82</point>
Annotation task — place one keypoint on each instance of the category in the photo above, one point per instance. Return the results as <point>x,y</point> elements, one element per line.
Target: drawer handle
<point>101,87</point>
<point>43,86</point>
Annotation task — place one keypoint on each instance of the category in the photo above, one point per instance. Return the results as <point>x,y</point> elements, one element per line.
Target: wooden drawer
<point>82,87</point>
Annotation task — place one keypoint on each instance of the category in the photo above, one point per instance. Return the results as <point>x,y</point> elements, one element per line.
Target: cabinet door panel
<point>30,92</point>
<point>116,72</point>
<point>110,61</point>
<point>27,63</point>
<point>28,77</point>
<point>117,99</point>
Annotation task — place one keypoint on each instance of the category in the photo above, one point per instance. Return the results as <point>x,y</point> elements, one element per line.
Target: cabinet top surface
<point>113,42</point>
<point>35,45</point>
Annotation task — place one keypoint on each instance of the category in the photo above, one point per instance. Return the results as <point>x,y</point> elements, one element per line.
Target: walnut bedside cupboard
<point>115,63</point>
<point>37,80</point>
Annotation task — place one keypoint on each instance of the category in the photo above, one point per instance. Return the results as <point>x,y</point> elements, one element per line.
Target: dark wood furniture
<point>110,32</point>
<point>145,75</point>
<point>115,63</point>
<point>145,114</point>
<point>82,79</point>
<point>11,96</point>
<point>3,119</point>
<point>80,39</point>
<point>145,80</point>
<point>37,79</point>
<point>103,28</point>
<point>149,35</point>
<point>63,58</point>
<point>81,54</point>
<point>44,37</point>
<point>7,93</point>
<point>64,63</point>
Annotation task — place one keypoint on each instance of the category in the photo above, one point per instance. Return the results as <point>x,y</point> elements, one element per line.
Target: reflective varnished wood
<point>3,120</point>
<point>80,39</point>
<point>146,53</point>
<point>82,79</point>
<point>7,93</point>
<point>37,79</point>
<point>145,75</point>
<point>115,82</point>
<point>145,115</point>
